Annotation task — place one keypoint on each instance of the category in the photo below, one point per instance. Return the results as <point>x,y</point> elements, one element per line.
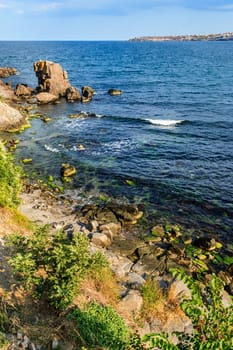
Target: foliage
<point>53,265</point>
<point>212,322</point>
<point>9,180</point>
<point>99,325</point>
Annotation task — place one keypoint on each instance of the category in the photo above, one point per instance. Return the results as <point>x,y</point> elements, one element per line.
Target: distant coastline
<point>205,37</point>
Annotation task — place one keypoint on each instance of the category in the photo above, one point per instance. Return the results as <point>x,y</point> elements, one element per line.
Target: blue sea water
<point>171,131</point>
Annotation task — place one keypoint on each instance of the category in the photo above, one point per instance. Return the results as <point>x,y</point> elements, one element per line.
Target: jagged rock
<point>46,97</point>
<point>132,302</point>
<point>112,212</point>
<point>72,94</point>
<point>115,92</point>
<point>23,90</point>
<point>10,118</point>
<point>5,72</point>
<point>87,93</point>
<point>51,78</point>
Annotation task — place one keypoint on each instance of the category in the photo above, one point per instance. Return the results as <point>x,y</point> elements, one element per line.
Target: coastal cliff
<point>196,37</point>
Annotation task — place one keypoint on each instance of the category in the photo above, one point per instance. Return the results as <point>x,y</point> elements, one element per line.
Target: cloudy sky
<point>111,19</point>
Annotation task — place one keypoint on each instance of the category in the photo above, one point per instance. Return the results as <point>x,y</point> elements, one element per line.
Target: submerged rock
<point>67,170</point>
<point>115,92</point>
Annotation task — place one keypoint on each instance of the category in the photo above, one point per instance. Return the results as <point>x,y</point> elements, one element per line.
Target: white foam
<point>51,149</point>
<point>165,122</point>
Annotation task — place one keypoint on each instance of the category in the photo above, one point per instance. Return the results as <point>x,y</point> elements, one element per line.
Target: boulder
<point>72,94</point>
<point>5,72</point>
<point>67,170</point>
<point>51,78</point>
<point>115,92</point>
<point>87,93</point>
<point>132,302</point>
<point>120,265</point>
<point>111,229</point>
<point>23,90</point>
<point>46,97</point>
<point>100,240</point>
<point>10,118</point>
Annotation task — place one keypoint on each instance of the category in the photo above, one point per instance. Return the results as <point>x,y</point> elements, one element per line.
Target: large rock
<point>51,78</point>
<point>10,118</point>
<point>46,97</point>
<point>5,72</point>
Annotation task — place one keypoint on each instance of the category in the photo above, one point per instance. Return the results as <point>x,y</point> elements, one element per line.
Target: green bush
<point>212,322</point>
<point>100,326</point>
<point>53,265</point>
<point>9,180</point>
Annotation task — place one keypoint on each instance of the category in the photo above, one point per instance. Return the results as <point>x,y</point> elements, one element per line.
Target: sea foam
<point>165,122</point>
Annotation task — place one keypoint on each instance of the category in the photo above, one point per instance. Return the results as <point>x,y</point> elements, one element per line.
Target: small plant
<point>9,180</point>
<point>53,266</point>
<point>212,322</point>
<point>100,326</point>
<point>152,295</point>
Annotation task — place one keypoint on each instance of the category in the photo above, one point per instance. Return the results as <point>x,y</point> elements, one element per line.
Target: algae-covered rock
<point>67,170</point>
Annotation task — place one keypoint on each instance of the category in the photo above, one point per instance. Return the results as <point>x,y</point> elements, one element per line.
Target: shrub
<point>212,322</point>
<point>100,326</point>
<point>53,265</point>
<point>9,180</point>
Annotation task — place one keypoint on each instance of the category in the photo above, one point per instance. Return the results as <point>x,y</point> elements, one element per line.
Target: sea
<point>165,144</point>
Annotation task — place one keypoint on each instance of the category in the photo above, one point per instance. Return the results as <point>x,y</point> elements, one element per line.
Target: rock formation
<point>10,118</point>
<point>87,93</point>
<point>23,90</point>
<point>5,72</point>
<point>72,94</point>
<point>51,78</point>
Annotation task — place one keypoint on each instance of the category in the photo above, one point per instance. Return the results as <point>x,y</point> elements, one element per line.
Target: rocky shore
<point>111,227</point>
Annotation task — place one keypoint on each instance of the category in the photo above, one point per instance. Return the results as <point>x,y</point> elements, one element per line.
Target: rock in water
<point>115,92</point>
<point>23,90</point>
<point>67,170</point>
<point>51,78</point>
<point>46,97</point>
<point>5,72</point>
<point>87,93</point>
<point>10,118</point>
<point>72,94</point>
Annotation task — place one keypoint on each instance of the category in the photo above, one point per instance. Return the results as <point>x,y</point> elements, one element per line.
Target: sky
<point>111,19</point>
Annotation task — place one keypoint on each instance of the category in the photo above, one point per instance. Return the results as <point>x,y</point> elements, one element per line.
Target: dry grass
<point>156,304</point>
<point>101,287</point>
<point>12,221</point>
